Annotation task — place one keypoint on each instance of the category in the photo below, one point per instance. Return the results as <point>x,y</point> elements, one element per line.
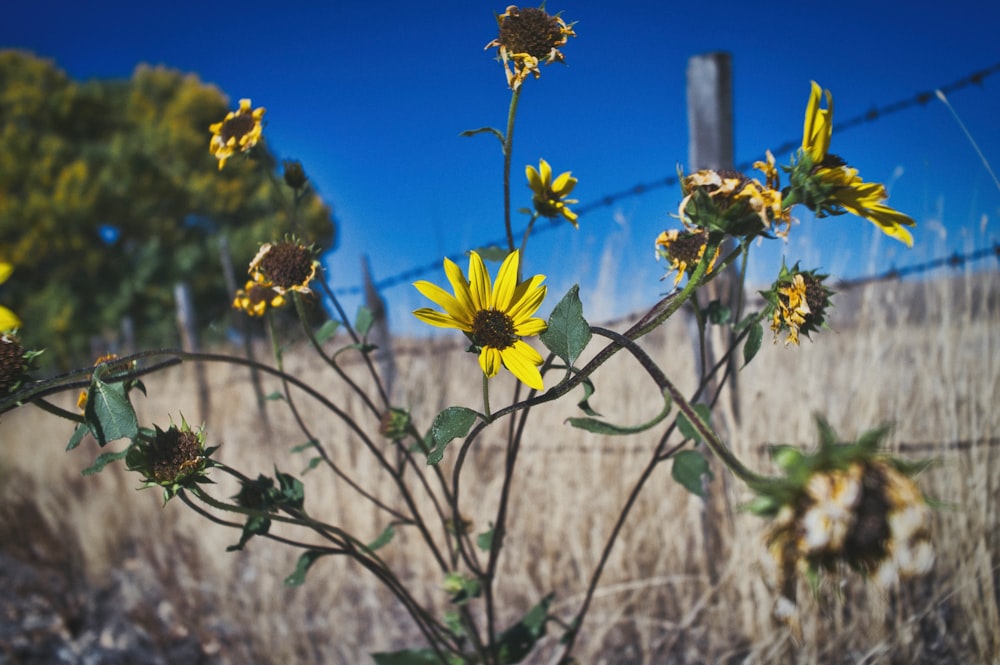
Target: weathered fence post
<point>710,131</point>
<point>379,334</point>
<point>187,326</point>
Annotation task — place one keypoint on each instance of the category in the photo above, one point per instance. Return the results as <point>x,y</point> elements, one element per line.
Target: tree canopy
<point>109,197</point>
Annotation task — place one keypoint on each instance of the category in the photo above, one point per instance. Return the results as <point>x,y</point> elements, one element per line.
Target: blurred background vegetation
<point>109,198</point>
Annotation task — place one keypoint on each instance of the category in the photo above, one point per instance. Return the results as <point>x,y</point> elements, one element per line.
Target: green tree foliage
<point>128,158</point>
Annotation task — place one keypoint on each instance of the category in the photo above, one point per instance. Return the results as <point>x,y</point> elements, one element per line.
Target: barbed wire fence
<point>919,99</point>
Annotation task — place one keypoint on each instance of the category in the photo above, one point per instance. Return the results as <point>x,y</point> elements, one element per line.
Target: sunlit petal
<point>479,282</point>
<point>490,361</point>
<point>506,282</point>
<point>523,361</point>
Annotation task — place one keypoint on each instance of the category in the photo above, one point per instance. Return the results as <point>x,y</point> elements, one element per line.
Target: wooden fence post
<point>187,326</point>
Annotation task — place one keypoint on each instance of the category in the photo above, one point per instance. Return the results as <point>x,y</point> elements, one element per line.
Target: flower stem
<point>508,143</point>
<point>487,417</point>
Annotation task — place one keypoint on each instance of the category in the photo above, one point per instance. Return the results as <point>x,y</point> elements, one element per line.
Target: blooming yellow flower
<point>8,319</point>
<point>529,37</point>
<point>284,266</point>
<point>846,189</point>
<point>257,297</point>
<point>495,316</point>
<point>239,131</point>
<point>549,196</point>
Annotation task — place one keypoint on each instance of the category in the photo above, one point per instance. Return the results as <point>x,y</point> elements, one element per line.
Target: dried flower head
<point>256,297</point>
<point>173,459</point>
<point>529,37</point>
<point>684,250</point>
<point>284,266</point>
<point>239,131</point>
<point>548,195</point>
<point>728,201</point>
<point>395,424</point>
<point>847,504</point>
<point>797,303</point>
<point>294,174</point>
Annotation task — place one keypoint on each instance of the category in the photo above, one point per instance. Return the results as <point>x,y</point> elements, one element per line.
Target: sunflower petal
<point>8,320</point>
<point>449,303</point>
<point>459,284</point>
<point>528,301</point>
<point>490,360</point>
<point>480,286</point>
<point>438,319</point>
<point>506,282</point>
<point>530,327</point>
<point>523,361</point>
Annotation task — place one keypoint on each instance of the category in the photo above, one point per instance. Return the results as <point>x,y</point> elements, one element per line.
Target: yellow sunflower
<point>844,188</point>
<point>549,196</point>
<point>494,316</point>
<point>8,319</point>
<point>239,131</point>
<point>257,297</point>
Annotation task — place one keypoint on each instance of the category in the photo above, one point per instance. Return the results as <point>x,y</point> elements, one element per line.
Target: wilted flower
<point>173,459</point>
<point>8,319</point>
<point>238,132</point>
<point>684,250</point>
<point>824,183</point>
<point>846,504</point>
<point>529,37</point>
<point>284,266</point>
<point>728,201</point>
<point>797,303</point>
<point>494,316</point>
<point>395,424</point>
<point>256,297</point>
<point>549,197</point>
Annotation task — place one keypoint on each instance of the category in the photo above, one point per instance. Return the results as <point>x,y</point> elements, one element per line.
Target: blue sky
<point>371,97</point>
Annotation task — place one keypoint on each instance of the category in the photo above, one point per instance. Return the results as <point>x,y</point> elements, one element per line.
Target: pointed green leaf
<point>484,130</point>
<point>584,404</point>
<point>108,413</point>
<point>103,460</point>
<point>79,433</point>
<point>604,427</point>
<point>484,541</point>
<point>517,642</point>
<point>311,443</point>
<point>453,422</point>
<point>364,320</point>
<point>754,339</point>
<point>382,540</point>
<point>276,396</point>
<point>256,525</point>
<point>687,428</point>
<point>292,491</point>
<point>327,331</point>
<point>688,469</point>
<point>568,333</point>
<point>302,567</point>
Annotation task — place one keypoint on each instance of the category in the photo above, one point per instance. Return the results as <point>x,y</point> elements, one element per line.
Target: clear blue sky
<point>371,98</point>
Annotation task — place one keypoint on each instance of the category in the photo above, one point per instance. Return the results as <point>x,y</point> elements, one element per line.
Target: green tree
<point>109,197</point>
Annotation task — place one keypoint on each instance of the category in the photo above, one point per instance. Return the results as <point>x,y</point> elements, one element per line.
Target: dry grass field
<point>923,355</point>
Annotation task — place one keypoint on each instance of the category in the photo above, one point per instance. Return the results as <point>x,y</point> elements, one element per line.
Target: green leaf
<point>103,460</point>
<point>311,443</point>
<point>483,130</point>
<point>717,313</point>
<point>293,492</point>
<point>685,425</point>
<point>484,541</point>
<point>256,525</point>
<point>604,427</point>
<point>584,404</point>
<point>382,540</point>
<point>688,469</point>
<point>515,643</point>
<point>364,320</point>
<point>276,396</point>
<point>412,657</point>
<point>327,331</point>
<point>302,567</point>
<point>79,433</point>
<point>313,463</point>
<point>752,345</point>
<point>453,422</point>
<point>108,413</point>
<point>568,333</point>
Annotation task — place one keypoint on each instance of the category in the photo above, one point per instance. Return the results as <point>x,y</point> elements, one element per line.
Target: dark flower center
<point>493,328</point>
<point>259,293</point>
<point>687,248</point>
<point>236,127</point>
<point>175,454</point>
<point>866,543</point>
<point>530,31</point>
<point>287,265</point>
<point>816,297</point>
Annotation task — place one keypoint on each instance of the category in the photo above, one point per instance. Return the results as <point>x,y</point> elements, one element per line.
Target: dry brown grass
<point>930,362</point>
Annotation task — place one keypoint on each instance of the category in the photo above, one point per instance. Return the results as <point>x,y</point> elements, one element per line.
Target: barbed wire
<point>872,115</point>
